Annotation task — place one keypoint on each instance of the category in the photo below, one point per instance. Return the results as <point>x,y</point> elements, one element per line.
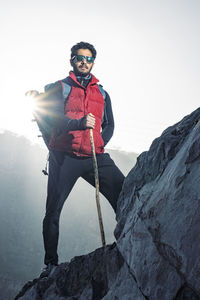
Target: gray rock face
<point>157,252</point>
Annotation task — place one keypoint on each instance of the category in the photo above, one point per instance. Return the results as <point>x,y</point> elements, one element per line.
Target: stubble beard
<point>79,73</point>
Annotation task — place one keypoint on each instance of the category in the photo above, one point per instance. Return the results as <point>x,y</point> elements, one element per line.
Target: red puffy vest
<point>81,102</point>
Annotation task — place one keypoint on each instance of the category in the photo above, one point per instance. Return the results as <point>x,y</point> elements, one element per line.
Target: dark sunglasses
<point>89,59</point>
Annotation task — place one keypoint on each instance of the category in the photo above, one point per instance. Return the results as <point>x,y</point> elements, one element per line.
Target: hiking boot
<point>49,269</point>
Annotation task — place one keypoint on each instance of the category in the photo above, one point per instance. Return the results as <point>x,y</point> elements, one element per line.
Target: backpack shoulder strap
<point>66,89</point>
<point>104,117</point>
<point>102,91</point>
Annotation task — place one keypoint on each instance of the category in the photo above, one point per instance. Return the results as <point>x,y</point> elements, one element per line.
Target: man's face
<point>83,67</point>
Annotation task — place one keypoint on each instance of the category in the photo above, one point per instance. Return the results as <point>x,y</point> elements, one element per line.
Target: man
<point>79,104</point>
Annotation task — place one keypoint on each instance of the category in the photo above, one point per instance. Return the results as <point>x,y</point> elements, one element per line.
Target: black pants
<point>64,170</point>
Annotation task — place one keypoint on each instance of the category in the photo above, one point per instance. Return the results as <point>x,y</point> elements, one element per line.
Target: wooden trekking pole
<point>96,175</point>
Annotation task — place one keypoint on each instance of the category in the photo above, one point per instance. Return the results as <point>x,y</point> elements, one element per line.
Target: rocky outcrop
<point>157,249</point>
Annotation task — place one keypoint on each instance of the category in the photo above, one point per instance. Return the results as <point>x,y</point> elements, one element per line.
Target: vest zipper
<point>78,154</point>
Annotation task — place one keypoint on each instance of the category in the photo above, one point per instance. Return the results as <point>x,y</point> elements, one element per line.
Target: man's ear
<point>71,62</point>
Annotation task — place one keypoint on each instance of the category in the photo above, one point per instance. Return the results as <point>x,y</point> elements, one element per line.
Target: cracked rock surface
<point>157,251</point>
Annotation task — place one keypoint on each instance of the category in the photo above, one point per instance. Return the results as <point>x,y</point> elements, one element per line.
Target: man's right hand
<point>32,93</point>
<point>90,121</point>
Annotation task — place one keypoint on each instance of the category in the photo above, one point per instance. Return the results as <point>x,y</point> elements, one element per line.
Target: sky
<point>147,60</point>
